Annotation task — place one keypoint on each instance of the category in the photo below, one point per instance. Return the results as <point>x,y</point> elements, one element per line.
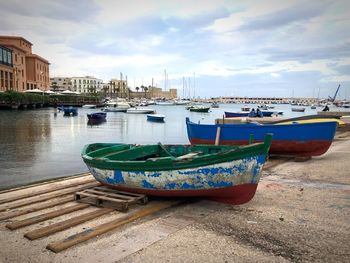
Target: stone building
<point>159,93</point>
<point>153,92</point>
<point>87,84</point>
<point>29,71</point>
<point>118,88</point>
<point>6,69</point>
<point>60,84</point>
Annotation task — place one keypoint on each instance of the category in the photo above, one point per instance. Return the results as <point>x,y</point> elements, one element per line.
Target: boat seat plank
<point>188,155</point>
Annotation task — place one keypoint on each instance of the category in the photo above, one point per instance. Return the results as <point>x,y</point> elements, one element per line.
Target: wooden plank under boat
<point>295,139</point>
<point>228,174</point>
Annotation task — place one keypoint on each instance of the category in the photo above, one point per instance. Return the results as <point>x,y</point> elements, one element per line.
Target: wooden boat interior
<point>124,152</point>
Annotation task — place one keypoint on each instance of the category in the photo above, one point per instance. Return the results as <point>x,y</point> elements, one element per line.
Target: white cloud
<point>216,39</point>
<point>275,75</point>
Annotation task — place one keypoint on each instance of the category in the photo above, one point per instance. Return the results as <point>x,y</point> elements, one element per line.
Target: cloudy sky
<point>220,47</point>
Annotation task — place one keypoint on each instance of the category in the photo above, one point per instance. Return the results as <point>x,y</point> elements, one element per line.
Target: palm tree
<point>118,89</point>
<point>137,89</point>
<point>105,89</point>
<point>145,89</point>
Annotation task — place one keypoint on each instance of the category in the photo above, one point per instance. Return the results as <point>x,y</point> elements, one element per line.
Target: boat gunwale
<point>171,163</point>
<point>256,124</point>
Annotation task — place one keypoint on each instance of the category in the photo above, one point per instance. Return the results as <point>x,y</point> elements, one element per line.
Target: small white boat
<point>298,109</point>
<point>165,103</point>
<point>89,106</point>
<point>116,106</point>
<point>140,110</point>
<point>215,105</point>
<point>182,102</point>
<point>245,108</point>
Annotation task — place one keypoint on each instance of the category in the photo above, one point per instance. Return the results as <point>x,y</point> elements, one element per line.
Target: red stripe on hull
<point>235,195</point>
<point>280,147</point>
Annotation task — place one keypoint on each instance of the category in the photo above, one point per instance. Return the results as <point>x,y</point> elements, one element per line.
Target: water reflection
<point>42,143</point>
<point>96,122</point>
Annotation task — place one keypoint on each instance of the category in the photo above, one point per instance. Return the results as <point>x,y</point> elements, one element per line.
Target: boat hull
<point>245,114</point>
<point>71,111</point>
<point>305,140</point>
<point>233,182</point>
<point>199,109</point>
<point>155,118</point>
<point>140,111</point>
<point>97,116</point>
<point>298,109</point>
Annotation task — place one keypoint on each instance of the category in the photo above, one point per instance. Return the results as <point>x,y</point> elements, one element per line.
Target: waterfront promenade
<point>300,213</point>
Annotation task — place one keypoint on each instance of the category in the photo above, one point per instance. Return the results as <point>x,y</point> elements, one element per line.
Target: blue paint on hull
<point>289,132</point>
<point>243,171</point>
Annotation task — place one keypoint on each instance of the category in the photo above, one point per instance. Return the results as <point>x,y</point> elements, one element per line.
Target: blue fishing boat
<point>245,114</point>
<point>293,139</point>
<point>97,116</point>
<point>155,117</point>
<point>228,174</point>
<point>70,111</point>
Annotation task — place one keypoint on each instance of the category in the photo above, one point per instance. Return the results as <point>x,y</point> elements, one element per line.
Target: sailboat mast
<point>183,87</point>
<point>164,80</point>
<point>194,85</point>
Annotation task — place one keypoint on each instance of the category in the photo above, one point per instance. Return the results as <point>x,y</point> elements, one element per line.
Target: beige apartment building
<point>159,93</point>
<point>28,70</point>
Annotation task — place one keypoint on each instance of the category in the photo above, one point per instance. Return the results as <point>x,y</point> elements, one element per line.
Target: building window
<point>9,57</point>
<point>1,79</point>
<point>22,59</point>
<point>4,56</point>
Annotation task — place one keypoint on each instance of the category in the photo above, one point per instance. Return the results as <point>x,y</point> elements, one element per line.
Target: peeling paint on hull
<point>232,182</point>
<point>296,139</point>
<point>280,147</point>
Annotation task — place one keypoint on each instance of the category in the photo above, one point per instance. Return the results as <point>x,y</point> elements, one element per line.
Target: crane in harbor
<point>332,99</point>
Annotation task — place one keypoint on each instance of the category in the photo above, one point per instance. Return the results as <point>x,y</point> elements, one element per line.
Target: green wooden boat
<point>200,109</point>
<point>227,174</point>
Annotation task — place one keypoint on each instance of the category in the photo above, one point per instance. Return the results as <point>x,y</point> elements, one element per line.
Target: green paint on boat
<point>158,157</point>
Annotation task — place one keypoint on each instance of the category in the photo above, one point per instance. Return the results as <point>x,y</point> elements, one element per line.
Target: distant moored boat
<point>200,108</point>
<point>97,116</point>
<point>155,117</point>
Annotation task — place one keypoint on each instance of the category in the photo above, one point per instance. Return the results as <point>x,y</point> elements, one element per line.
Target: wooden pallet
<point>26,204</point>
<point>110,198</point>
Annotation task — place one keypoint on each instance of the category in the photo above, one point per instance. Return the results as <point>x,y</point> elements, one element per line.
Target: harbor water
<point>43,144</point>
